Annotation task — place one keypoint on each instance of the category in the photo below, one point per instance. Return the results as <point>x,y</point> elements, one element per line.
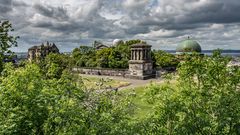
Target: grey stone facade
<point>140,65</point>
<point>40,52</point>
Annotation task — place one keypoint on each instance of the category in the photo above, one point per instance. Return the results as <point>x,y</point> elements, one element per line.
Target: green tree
<point>112,57</point>
<point>85,56</point>
<point>6,40</point>
<point>119,56</point>
<point>204,102</point>
<point>32,104</point>
<point>134,41</point>
<point>54,64</point>
<point>163,59</point>
<point>103,57</point>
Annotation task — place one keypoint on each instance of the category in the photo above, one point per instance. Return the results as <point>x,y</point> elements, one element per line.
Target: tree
<point>103,57</point>
<point>119,56</point>
<point>205,100</point>
<point>112,57</point>
<point>6,40</point>
<point>32,104</point>
<point>85,56</point>
<point>134,41</point>
<point>163,59</point>
<point>54,64</point>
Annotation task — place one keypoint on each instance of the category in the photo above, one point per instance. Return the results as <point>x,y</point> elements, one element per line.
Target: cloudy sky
<point>162,23</point>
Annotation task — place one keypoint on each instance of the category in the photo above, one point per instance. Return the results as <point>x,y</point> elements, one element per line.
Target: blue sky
<point>162,23</point>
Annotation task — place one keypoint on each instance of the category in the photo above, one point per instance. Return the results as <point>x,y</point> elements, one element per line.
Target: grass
<point>102,83</point>
<point>142,107</point>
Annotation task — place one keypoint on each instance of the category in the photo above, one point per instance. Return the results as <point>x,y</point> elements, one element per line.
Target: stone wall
<point>157,73</point>
<point>102,71</point>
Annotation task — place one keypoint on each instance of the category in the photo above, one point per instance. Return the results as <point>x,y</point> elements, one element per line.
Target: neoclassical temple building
<point>39,52</point>
<point>140,65</point>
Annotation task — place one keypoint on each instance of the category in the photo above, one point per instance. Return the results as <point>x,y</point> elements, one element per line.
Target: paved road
<point>133,83</point>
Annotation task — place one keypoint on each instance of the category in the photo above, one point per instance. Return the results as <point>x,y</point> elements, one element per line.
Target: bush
<point>206,100</point>
<point>32,104</point>
<point>163,59</point>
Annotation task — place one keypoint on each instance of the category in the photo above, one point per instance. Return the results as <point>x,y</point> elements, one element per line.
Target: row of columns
<point>140,54</point>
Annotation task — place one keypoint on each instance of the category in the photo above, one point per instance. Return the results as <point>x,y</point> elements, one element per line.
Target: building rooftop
<point>188,46</point>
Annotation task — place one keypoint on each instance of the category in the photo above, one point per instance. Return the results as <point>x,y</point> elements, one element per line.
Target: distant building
<point>188,46</point>
<point>99,45</point>
<point>40,52</point>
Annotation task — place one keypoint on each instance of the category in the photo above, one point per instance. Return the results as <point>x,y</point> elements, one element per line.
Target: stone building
<point>39,52</point>
<point>140,65</point>
<point>99,45</point>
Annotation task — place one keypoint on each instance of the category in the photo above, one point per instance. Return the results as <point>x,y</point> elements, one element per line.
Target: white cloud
<point>157,34</point>
<point>214,23</point>
<point>217,26</point>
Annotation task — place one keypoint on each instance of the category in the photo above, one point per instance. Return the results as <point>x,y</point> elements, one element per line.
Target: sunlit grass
<point>102,83</point>
<point>143,108</point>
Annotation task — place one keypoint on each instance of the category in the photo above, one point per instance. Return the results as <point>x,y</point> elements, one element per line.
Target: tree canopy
<point>6,40</point>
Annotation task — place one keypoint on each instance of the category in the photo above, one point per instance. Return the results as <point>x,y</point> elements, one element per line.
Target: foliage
<point>57,106</point>
<point>54,64</point>
<point>6,40</point>
<point>103,57</point>
<point>205,102</point>
<point>163,59</point>
<point>84,56</point>
<point>134,41</point>
<point>112,57</point>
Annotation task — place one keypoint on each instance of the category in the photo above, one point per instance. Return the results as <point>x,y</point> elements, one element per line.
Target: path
<point>133,83</point>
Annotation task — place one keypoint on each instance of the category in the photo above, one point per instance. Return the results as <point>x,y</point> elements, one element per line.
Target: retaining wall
<point>117,72</point>
<point>101,71</point>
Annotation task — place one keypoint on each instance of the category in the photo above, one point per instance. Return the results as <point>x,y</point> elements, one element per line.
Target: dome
<point>188,46</point>
<point>117,42</point>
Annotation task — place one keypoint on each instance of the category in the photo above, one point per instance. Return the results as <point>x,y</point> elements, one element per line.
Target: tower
<point>140,65</point>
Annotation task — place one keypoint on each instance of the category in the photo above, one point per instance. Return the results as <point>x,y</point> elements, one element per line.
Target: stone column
<point>140,54</point>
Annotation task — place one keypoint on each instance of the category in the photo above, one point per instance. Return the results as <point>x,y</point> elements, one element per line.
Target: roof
<point>33,48</point>
<point>188,46</point>
<point>140,45</point>
<point>101,46</point>
<point>44,46</point>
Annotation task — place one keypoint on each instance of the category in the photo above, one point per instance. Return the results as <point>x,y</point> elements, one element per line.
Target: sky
<point>162,23</point>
